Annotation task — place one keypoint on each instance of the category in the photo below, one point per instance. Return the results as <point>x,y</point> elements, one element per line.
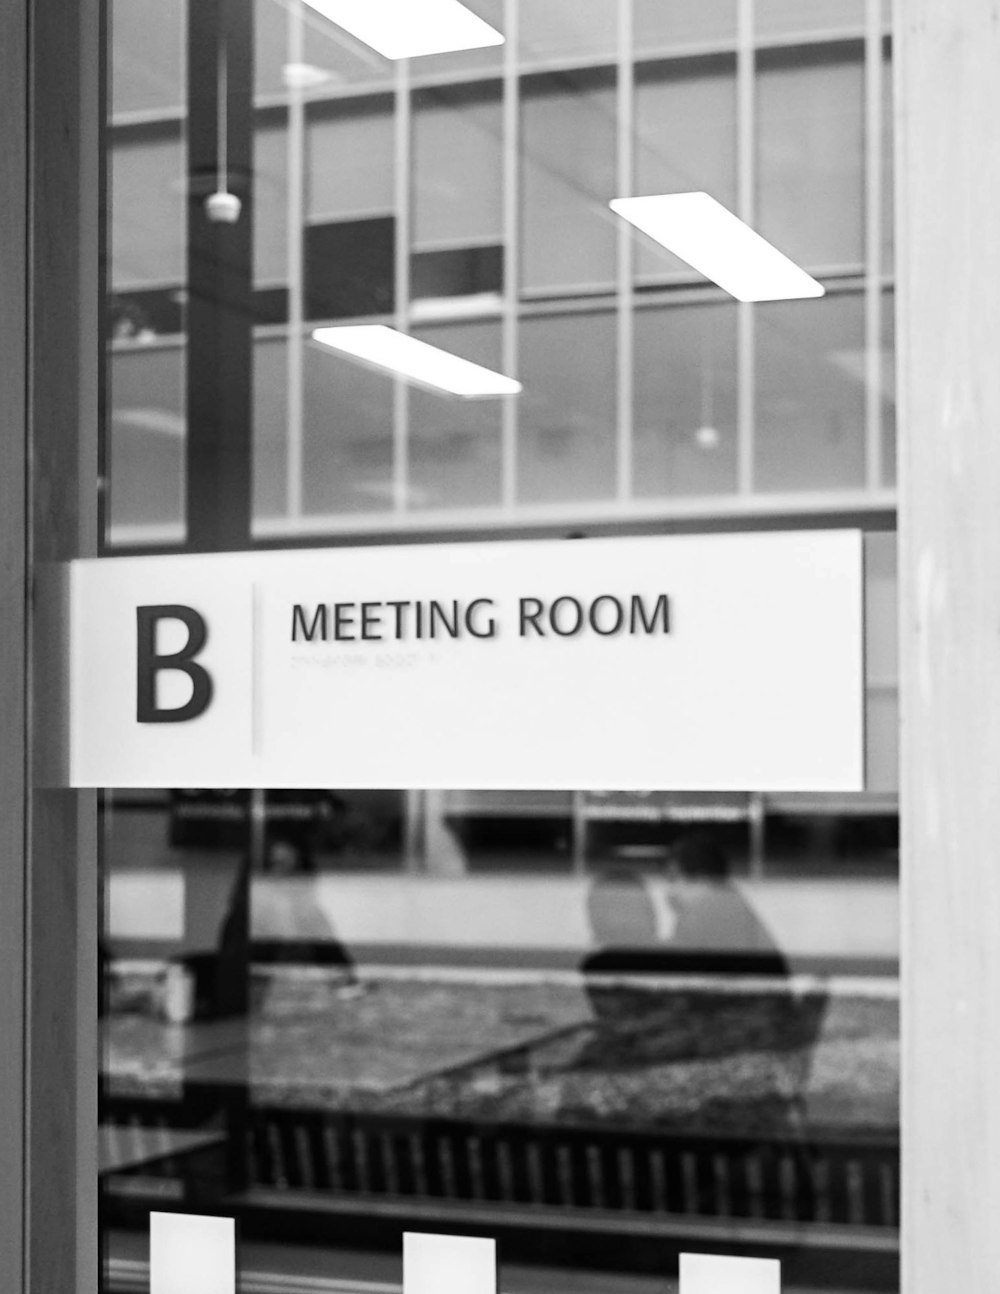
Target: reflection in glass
<point>147,441</point>
<point>809,430</point>
<point>457,148</point>
<point>887,404</point>
<point>810,111</point>
<point>584,1015</point>
<point>347,456</point>
<point>684,426</point>
<point>820,19</point>
<point>270,425</point>
<point>329,56</point>
<point>147,56</point>
<point>568,178</point>
<point>685,141</point>
<point>454,444</point>
<point>566,444</point>
<point>552,30</point>
<point>659,28</point>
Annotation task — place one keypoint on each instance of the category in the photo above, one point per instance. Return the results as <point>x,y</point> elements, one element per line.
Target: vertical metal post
<point>51,107</point>
<point>626,244</point>
<point>873,244</point>
<point>402,204</point>
<point>220,270</point>
<point>295,215</point>
<point>512,251</point>
<point>746,188</point>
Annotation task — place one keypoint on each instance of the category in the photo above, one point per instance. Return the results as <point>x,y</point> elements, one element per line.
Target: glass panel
<point>470,62</point>
<point>587,1008</point>
<point>881,667</point>
<point>888,177</point>
<point>270,225</point>
<point>566,446</point>
<point>454,444</point>
<point>347,435</point>
<point>457,152</point>
<point>685,140</point>
<point>685,401</point>
<point>810,395</point>
<point>147,439</point>
<point>568,177</point>
<point>887,404</point>
<point>816,20</point>
<point>349,160</point>
<point>552,30</point>
<point>148,211</point>
<point>270,426</point>
<point>810,174</point>
<point>147,56</point>
<point>330,58</point>
<point>659,28</point>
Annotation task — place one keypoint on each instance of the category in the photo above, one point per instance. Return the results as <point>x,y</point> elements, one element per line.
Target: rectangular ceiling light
<point>719,245</point>
<point>410,28</point>
<point>394,352</point>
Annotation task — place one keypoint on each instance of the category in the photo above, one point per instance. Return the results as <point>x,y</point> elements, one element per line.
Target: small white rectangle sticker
<point>191,1254</point>
<point>435,1264</point>
<point>722,1274</point>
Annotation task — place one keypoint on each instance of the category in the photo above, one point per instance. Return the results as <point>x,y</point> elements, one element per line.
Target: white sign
<point>720,1274</point>
<point>435,1264</point>
<point>723,662</point>
<point>191,1254</point>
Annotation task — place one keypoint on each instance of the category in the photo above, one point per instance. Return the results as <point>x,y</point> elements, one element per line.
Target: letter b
<point>150,662</point>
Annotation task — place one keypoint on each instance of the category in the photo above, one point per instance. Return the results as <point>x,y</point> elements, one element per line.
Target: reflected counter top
<point>721,1057</point>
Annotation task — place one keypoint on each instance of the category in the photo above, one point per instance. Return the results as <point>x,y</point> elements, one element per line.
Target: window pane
<point>888,178</point>
<point>148,211</point>
<point>566,444</point>
<point>457,152</point>
<point>685,140</point>
<point>558,29</point>
<point>347,435</point>
<point>568,178</point>
<point>810,392</point>
<point>780,19</point>
<point>659,28</point>
<point>684,433</point>
<point>270,215</point>
<point>147,55</point>
<point>349,160</point>
<point>810,173</point>
<point>466,61</point>
<point>332,58</point>
<point>146,467</point>
<point>270,429</point>
<point>888,392</point>
<point>881,664</point>
<point>454,445</point>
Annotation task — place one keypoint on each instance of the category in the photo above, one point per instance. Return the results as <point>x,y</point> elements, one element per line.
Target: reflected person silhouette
<point>689,988</point>
<point>717,929</point>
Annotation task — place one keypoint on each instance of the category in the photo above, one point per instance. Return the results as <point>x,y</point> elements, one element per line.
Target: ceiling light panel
<point>719,245</point>
<point>410,28</point>
<point>394,352</point>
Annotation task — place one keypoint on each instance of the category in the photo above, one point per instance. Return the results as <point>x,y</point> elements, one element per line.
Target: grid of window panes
<point>464,198</point>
